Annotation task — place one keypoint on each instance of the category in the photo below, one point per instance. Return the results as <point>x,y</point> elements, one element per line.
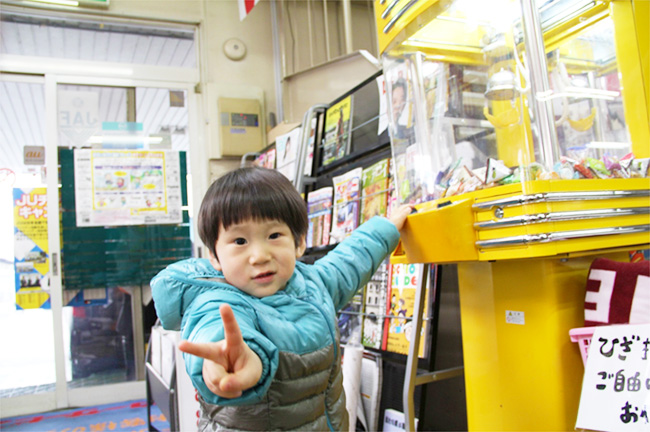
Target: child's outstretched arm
<point>229,366</point>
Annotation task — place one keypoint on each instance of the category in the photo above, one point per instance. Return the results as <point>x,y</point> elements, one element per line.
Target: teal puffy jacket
<point>294,332</point>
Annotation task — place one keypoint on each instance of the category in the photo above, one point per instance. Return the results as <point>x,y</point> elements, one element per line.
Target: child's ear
<point>214,261</point>
<point>301,247</point>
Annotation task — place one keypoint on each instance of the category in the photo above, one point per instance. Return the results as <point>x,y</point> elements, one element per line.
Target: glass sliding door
<point>27,363</point>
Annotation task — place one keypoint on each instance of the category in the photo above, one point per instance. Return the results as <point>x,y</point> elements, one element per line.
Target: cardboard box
<point>280,129</point>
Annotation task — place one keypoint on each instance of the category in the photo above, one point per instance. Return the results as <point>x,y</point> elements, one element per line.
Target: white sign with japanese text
<point>127,187</point>
<point>616,386</point>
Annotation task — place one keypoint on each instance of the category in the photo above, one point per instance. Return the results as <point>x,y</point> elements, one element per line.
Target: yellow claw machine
<point>519,129</point>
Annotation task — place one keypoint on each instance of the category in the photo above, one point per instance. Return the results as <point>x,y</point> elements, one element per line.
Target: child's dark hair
<point>251,193</point>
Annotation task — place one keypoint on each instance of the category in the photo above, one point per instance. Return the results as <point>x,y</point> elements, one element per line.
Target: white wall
<point>218,20</point>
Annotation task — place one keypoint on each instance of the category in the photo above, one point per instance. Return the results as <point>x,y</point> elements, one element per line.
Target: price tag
<point>616,386</point>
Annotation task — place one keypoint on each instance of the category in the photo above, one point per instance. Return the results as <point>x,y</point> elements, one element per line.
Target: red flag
<point>245,6</point>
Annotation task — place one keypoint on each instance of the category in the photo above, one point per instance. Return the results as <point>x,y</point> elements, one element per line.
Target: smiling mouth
<point>264,276</point>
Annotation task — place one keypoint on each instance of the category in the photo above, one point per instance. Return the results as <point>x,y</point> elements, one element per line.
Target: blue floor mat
<point>123,416</point>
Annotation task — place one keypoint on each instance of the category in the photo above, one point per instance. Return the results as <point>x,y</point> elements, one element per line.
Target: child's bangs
<point>265,204</point>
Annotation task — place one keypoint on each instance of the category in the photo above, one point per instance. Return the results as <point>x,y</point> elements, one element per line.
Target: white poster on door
<point>127,187</point>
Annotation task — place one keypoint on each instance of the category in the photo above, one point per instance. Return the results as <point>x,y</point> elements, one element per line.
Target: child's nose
<point>259,254</point>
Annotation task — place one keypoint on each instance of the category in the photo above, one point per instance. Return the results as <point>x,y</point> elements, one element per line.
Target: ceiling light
<point>59,2</point>
<point>124,139</point>
<point>62,67</point>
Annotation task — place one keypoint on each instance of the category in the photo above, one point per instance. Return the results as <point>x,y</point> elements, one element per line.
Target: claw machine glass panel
<point>455,93</point>
<point>502,114</point>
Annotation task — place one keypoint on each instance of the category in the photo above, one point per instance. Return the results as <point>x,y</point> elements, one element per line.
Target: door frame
<point>96,75</point>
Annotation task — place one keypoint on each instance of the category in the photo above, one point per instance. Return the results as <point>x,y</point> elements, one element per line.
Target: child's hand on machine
<point>399,215</point>
<point>229,366</point>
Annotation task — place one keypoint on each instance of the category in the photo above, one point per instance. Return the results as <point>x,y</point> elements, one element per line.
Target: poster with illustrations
<point>127,187</point>
<point>338,127</point>
<point>31,256</point>
<point>404,280</point>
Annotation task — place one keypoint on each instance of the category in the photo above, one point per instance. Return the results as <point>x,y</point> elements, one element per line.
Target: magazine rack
<point>160,393</point>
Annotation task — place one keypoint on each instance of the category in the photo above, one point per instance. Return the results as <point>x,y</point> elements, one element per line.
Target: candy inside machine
<point>519,129</point>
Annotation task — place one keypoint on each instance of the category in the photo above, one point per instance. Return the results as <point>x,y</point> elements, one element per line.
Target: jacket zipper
<point>333,336</point>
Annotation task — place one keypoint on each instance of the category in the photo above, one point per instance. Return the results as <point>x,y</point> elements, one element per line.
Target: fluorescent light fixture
<point>58,2</point>
<point>124,139</point>
<point>64,67</point>
<point>608,145</point>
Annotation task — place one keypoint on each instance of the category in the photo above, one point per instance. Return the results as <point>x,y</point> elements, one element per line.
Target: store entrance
<point>77,331</point>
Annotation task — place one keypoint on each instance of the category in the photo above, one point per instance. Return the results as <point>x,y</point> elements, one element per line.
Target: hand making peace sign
<point>229,366</point>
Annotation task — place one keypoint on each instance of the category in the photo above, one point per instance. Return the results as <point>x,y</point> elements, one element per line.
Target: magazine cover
<point>345,216</point>
<point>338,125</point>
<point>350,318</point>
<point>319,213</point>
<point>375,307</point>
<point>309,161</point>
<point>260,160</point>
<point>401,112</point>
<point>268,158</point>
<point>286,151</point>
<point>392,193</point>
<point>370,388</point>
<point>374,195</point>
<point>404,280</point>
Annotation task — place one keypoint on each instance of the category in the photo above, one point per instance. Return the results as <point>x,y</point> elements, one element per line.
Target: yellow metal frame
<point>420,14</point>
<point>523,376</point>
<point>435,219</point>
<point>631,21</point>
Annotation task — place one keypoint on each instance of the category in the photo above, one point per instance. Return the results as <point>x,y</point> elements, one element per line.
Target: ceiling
<point>22,104</point>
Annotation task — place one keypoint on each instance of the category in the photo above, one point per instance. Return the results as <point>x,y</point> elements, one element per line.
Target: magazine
<point>338,126</point>
<point>319,213</point>
<point>350,318</point>
<point>375,307</point>
<point>404,281</point>
<point>287,146</point>
<point>345,216</point>
<point>266,159</point>
<point>392,193</point>
<point>401,107</point>
<point>260,160</point>
<point>374,194</point>
<point>309,161</point>
<point>371,385</point>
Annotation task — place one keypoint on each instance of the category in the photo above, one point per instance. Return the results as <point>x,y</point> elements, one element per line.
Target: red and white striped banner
<point>245,6</point>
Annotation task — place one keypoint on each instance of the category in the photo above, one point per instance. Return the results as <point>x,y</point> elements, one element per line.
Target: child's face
<point>257,257</point>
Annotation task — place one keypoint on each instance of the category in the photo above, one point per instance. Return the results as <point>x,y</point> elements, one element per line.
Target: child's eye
<point>240,241</point>
<point>275,236</point>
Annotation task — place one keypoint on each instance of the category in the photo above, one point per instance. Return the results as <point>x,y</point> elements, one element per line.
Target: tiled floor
<point>108,377</point>
<point>8,393</point>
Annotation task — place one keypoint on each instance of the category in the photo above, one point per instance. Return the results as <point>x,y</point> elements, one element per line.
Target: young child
<point>260,333</point>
